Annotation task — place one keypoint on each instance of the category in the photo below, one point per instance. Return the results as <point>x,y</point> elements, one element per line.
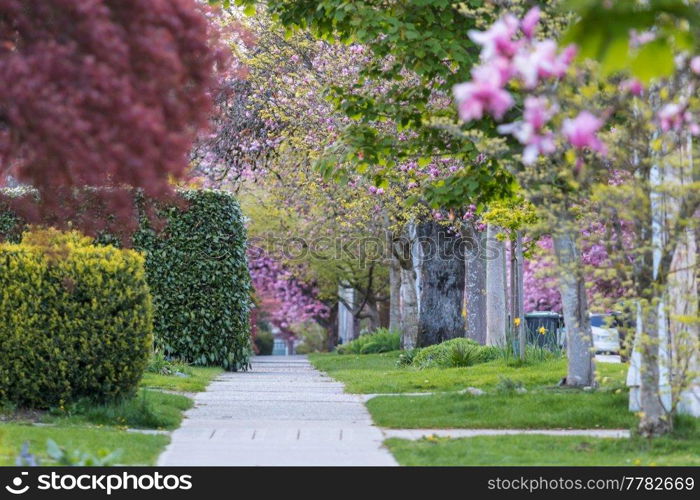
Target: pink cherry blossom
<point>484,94</point>
<point>581,132</point>
<point>530,22</point>
<point>498,40</point>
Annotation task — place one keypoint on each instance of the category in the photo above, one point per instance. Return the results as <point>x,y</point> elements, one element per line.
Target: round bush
<point>75,320</point>
<point>452,353</point>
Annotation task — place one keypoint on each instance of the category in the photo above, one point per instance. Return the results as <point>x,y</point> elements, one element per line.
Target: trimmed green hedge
<point>198,274</point>
<point>75,320</point>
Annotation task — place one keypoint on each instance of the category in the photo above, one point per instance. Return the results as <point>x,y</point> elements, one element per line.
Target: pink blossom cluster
<point>289,300</point>
<point>509,51</point>
<point>676,116</point>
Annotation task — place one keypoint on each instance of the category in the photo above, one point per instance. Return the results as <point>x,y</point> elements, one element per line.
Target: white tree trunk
<point>683,301</point>
<point>394,295</point>
<point>579,341</point>
<point>409,309</point>
<point>346,317</point>
<point>495,289</point>
<point>683,298</point>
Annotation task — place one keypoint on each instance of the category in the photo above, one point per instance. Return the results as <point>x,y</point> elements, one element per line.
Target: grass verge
<point>679,449</point>
<point>197,380</point>
<point>137,449</point>
<point>553,409</point>
<point>378,374</point>
<point>93,428</point>
<point>147,410</point>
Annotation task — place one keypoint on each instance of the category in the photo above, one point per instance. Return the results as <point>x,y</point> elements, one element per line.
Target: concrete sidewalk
<point>283,412</point>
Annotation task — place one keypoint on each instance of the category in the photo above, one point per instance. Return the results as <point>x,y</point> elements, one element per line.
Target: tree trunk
<point>475,287</point>
<point>579,341</point>
<point>517,307</point>
<point>330,324</point>
<point>683,297</point>
<point>409,309</point>
<point>347,323</point>
<point>495,289</point>
<point>654,419</point>
<point>372,314</point>
<point>394,295</point>
<point>442,284</point>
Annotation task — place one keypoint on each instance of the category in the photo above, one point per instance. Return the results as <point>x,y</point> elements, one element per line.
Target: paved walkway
<point>283,412</point>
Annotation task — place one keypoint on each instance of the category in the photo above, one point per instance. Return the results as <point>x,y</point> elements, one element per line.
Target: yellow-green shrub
<point>75,320</point>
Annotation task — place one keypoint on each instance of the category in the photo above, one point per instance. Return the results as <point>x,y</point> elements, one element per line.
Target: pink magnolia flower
<point>581,132</point>
<point>675,116</point>
<point>671,117</point>
<point>530,22</point>
<point>543,62</point>
<point>695,65</point>
<point>484,94</point>
<point>535,141</point>
<point>633,86</point>
<point>529,132</point>
<point>498,39</point>
<point>538,111</point>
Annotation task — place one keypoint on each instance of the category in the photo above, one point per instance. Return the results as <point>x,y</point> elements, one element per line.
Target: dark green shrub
<point>406,357</point>
<point>264,341</point>
<point>198,275</point>
<point>75,320</point>
<point>382,340</point>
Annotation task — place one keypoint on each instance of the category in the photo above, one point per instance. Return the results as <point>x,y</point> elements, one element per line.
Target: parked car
<point>606,337</point>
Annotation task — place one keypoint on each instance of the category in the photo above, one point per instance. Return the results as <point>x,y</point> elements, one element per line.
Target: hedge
<point>75,320</point>
<point>198,275</point>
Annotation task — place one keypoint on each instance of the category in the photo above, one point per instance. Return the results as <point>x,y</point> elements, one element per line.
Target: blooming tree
<point>560,126</point>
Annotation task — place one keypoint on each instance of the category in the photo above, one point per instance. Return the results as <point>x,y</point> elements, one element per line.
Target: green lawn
<point>137,449</point>
<point>681,449</point>
<point>198,380</point>
<point>542,409</point>
<point>378,374</point>
<point>149,409</point>
<point>544,405</point>
<point>93,428</point>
